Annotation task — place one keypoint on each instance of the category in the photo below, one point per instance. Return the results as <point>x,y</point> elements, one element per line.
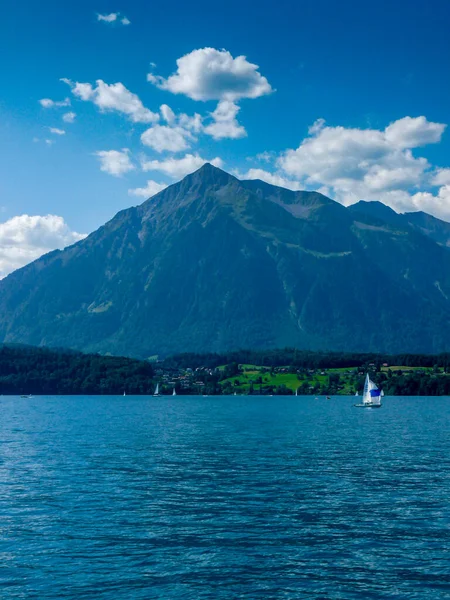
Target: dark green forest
<point>26,369</point>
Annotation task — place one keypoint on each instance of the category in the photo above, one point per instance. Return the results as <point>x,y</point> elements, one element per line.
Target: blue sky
<point>348,98</point>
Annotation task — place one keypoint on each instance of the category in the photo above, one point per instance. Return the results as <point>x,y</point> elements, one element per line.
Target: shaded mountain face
<point>212,263</point>
<point>437,230</point>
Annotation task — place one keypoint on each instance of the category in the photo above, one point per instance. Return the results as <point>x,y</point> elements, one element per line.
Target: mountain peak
<point>376,210</point>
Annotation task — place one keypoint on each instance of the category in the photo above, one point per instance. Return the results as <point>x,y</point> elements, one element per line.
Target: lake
<point>224,497</point>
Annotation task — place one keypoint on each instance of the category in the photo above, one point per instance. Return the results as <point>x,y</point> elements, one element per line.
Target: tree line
<point>26,369</point>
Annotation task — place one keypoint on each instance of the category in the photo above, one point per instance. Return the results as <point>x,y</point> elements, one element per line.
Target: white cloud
<point>265,157</point>
<point>441,177</point>
<point>57,131</point>
<point>113,97</point>
<point>48,103</point>
<point>164,138</point>
<point>167,114</point>
<point>49,142</point>
<point>115,162</point>
<point>225,124</point>
<point>438,205</point>
<point>108,18</point>
<point>177,135</point>
<point>414,132</point>
<point>152,188</point>
<point>210,74</point>
<point>69,117</point>
<point>194,123</point>
<point>114,18</point>
<point>272,178</point>
<point>179,167</point>
<point>191,123</point>
<point>25,238</point>
<point>362,163</point>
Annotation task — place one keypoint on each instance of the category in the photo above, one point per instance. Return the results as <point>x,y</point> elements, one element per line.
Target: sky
<point>104,103</point>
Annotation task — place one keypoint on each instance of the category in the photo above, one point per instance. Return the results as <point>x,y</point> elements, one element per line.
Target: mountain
<point>437,230</point>
<point>213,263</point>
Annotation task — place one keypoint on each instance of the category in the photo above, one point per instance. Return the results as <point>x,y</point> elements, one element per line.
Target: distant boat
<point>124,394</point>
<point>371,395</point>
<point>328,397</point>
<point>174,392</point>
<point>157,390</point>
<point>296,392</point>
<point>26,396</point>
<point>356,393</point>
<point>235,394</point>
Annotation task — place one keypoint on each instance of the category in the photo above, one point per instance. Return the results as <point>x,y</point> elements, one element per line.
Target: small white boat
<point>296,392</point>
<point>157,390</point>
<point>124,394</point>
<point>174,392</point>
<point>371,395</point>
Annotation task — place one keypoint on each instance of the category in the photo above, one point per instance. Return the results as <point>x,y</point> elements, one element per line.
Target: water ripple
<point>193,498</point>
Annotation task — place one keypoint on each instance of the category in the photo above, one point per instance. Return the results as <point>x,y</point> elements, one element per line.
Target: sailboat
<point>124,394</point>
<point>296,392</point>
<point>371,395</point>
<point>157,390</point>
<point>174,392</point>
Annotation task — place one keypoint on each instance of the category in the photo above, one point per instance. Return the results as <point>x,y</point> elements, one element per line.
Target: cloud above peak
<point>179,167</point>
<point>225,124</point>
<point>210,74</point>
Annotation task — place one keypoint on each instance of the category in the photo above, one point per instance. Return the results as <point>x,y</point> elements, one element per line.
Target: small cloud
<point>49,142</point>
<point>57,131</point>
<point>108,18</point>
<point>113,97</point>
<point>266,156</point>
<point>48,103</point>
<point>152,188</point>
<point>113,18</point>
<point>115,162</point>
<point>225,124</point>
<point>167,139</point>
<point>69,117</point>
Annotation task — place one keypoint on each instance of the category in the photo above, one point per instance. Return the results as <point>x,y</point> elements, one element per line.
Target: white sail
<point>368,396</point>
<point>156,390</point>
<point>174,392</point>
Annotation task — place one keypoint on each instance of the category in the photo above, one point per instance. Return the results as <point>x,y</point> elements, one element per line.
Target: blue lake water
<point>190,498</point>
